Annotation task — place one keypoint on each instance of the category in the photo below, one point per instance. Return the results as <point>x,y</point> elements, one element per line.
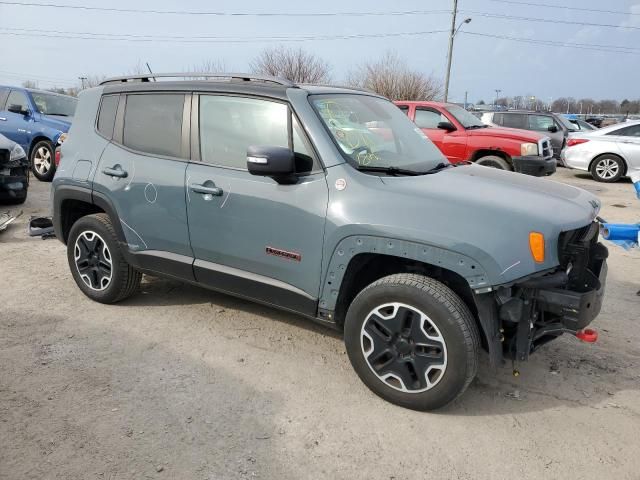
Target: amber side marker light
<point>536,244</point>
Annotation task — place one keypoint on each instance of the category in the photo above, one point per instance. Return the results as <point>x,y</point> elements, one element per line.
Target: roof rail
<point>198,75</point>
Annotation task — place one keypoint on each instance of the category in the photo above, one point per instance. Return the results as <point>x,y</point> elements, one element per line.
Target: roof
<point>222,82</point>
<point>35,90</point>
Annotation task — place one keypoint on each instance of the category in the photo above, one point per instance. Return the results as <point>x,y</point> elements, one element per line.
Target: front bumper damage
<point>14,176</point>
<point>533,311</point>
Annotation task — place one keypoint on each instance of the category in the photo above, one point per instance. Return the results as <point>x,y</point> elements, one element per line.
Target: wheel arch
<point>478,154</point>
<point>358,261</point>
<point>38,138</point>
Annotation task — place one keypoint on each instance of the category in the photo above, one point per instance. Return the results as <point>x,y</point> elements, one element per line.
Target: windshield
<point>373,132</point>
<point>467,119</point>
<point>50,104</point>
<point>567,123</point>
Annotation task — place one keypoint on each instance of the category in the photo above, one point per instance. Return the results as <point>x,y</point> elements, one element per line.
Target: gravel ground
<point>181,382</point>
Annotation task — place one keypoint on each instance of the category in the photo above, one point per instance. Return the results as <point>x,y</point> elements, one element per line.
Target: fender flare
<point>468,268</point>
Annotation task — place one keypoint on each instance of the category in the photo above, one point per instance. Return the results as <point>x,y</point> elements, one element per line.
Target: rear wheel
<point>42,161</point>
<point>494,161</point>
<point>96,263</point>
<point>412,341</point>
<point>607,168</point>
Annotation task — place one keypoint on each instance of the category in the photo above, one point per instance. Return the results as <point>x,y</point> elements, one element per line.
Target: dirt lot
<point>180,382</point>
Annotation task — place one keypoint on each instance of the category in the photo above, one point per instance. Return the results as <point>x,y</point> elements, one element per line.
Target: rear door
<point>141,172</point>
<point>452,144</point>
<point>16,126</point>
<point>629,144</point>
<point>252,236</point>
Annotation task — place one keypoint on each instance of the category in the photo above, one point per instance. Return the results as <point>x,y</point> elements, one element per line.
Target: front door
<point>17,126</point>
<point>250,235</point>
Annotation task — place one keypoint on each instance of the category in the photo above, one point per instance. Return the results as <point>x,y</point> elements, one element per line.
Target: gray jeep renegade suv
<point>330,203</point>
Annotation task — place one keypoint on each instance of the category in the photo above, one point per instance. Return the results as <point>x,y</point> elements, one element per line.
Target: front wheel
<point>607,168</point>
<point>494,161</point>
<point>96,263</point>
<point>42,161</point>
<point>412,341</point>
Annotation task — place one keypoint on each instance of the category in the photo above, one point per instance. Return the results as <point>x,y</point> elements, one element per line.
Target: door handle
<point>115,171</point>
<point>207,190</point>
<point>4,119</point>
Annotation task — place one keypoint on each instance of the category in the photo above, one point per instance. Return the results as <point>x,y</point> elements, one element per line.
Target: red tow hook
<point>587,335</point>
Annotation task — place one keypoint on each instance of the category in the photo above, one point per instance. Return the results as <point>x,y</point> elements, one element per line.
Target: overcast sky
<point>481,64</point>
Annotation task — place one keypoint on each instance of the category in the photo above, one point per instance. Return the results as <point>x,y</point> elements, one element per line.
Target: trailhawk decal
<point>283,254</point>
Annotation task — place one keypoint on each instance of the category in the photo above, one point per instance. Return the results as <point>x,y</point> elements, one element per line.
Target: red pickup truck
<point>461,136</point>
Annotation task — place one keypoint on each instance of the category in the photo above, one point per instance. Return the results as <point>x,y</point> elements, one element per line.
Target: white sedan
<point>609,153</point>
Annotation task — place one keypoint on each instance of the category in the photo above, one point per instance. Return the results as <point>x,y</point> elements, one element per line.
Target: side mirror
<point>448,126</point>
<point>18,109</point>
<point>275,162</point>
<point>552,128</point>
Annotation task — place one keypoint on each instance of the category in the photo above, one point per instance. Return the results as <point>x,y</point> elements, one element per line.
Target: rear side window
<point>632,131</point>
<point>428,118</point>
<point>153,123</point>
<point>514,120</point>
<point>4,93</point>
<point>107,116</point>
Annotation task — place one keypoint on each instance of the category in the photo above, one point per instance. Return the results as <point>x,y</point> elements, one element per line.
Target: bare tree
<point>30,84</point>
<point>293,64</point>
<point>391,77</point>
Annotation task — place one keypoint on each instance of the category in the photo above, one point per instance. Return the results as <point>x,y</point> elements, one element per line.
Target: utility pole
<point>466,98</point>
<point>497,95</point>
<point>82,79</point>
<point>449,57</point>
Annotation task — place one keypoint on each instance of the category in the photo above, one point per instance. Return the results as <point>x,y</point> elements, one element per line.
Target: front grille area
<point>579,252</point>
<point>546,150</point>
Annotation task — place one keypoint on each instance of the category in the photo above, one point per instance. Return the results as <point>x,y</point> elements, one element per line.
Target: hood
<point>487,214</point>
<point>513,133</point>
<point>56,121</point>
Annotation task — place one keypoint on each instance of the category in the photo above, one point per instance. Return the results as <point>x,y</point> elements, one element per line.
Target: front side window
<point>371,131</point>
<point>51,104</point>
<point>153,123</point>
<point>17,99</point>
<point>541,123</point>
<point>229,125</point>
<point>429,118</point>
<point>467,119</point>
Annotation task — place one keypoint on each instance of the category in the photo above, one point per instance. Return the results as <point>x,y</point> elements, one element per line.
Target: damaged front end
<point>536,310</point>
<point>14,174</point>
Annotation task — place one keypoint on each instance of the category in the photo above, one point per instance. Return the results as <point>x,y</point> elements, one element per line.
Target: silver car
<point>609,153</point>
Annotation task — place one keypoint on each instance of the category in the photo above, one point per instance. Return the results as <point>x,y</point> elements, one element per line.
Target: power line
<point>222,14</point>
<point>582,46</point>
<point>212,39</point>
<point>563,7</point>
<point>548,20</point>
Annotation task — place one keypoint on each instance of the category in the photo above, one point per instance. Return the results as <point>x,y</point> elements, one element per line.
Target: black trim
<point>163,263</point>
<point>102,201</point>
<point>255,287</point>
<point>62,193</point>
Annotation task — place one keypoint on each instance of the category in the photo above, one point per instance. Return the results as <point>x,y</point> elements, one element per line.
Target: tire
<point>96,263</point>
<point>494,161</point>
<point>42,159</point>
<point>607,168</point>
<point>442,341</point>
<point>15,200</point>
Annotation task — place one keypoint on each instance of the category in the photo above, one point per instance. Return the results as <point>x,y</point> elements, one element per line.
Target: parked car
<point>578,123</point>
<point>595,121</point>
<point>608,153</point>
<point>329,203</point>
<point>551,124</point>
<point>460,136</point>
<point>36,119</point>
<point>14,172</point>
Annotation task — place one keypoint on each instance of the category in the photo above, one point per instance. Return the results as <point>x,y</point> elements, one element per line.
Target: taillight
<point>58,156</point>
<point>572,142</point>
